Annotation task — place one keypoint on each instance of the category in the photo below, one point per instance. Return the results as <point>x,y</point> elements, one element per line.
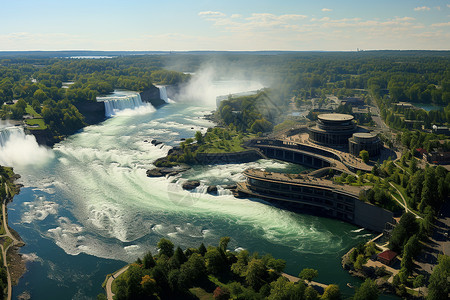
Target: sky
<point>232,25</point>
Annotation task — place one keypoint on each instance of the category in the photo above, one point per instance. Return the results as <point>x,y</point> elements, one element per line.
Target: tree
<point>364,154</point>
<point>359,262</point>
<point>202,249</point>
<point>261,125</point>
<point>418,281</point>
<point>221,293</point>
<point>179,256</point>
<point>255,273</point>
<point>134,278</point>
<point>223,244</point>
<point>165,247</point>
<point>308,274</point>
<point>148,285</point>
<point>332,292</point>
<point>199,137</point>
<point>439,286</point>
<point>240,266</point>
<point>367,291</point>
<point>311,293</point>
<point>214,261</point>
<point>148,260</point>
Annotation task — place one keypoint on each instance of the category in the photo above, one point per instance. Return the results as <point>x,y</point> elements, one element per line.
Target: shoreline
<point>11,242</point>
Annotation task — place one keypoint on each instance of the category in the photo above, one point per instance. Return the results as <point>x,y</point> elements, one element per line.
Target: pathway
<point>13,243</point>
<point>311,283</point>
<point>405,205</point>
<point>9,291</point>
<point>111,278</point>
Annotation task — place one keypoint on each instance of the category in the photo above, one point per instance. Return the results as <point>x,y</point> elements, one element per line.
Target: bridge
<point>311,155</point>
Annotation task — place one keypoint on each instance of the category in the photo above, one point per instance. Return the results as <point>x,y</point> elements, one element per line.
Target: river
<point>87,208</point>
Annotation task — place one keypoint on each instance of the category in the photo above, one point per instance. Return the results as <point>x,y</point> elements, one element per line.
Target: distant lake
<point>90,57</point>
<point>428,106</point>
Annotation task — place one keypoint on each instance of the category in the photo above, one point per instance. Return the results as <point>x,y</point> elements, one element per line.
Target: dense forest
<point>50,88</point>
<point>213,272</point>
<point>53,85</point>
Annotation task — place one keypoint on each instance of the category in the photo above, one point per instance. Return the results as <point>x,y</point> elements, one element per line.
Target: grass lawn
<point>2,228</point>
<point>201,293</point>
<point>29,110</point>
<point>216,144</point>
<point>39,122</point>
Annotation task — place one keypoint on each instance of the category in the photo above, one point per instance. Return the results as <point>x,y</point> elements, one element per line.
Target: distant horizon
<point>230,51</point>
<point>290,25</point>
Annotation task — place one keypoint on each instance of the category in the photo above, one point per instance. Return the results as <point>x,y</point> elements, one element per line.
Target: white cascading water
<point>114,105</point>
<point>6,133</point>
<point>18,148</point>
<point>163,93</point>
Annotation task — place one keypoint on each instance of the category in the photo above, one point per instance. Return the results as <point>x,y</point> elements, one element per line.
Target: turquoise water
<point>88,208</point>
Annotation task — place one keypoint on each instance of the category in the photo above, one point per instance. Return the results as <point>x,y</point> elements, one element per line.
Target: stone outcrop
<point>191,184</point>
<point>93,112</point>
<point>151,95</point>
<point>166,171</point>
<point>212,189</point>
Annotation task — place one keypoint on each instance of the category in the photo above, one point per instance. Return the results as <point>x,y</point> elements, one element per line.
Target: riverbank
<point>10,240</point>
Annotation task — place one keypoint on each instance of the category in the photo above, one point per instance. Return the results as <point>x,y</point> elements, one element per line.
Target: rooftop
<point>335,117</point>
<point>363,135</point>
<point>303,179</point>
<point>387,255</point>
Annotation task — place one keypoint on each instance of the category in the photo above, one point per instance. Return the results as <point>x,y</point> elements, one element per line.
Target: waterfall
<point>163,93</point>
<point>7,133</point>
<point>116,104</point>
<point>19,149</point>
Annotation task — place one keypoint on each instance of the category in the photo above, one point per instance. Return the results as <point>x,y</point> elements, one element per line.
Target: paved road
<point>377,118</point>
<point>109,292</point>
<point>296,279</point>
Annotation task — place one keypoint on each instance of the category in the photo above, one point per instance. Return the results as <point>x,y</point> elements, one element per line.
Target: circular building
<point>364,141</point>
<point>332,129</point>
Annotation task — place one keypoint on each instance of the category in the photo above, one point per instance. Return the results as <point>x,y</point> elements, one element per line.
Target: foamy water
<point>93,197</point>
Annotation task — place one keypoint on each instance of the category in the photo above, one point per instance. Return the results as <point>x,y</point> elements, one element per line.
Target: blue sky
<point>224,25</point>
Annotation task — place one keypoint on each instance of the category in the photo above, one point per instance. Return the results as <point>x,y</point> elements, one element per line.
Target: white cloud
<point>236,16</point>
<point>326,9</point>
<point>419,8</point>
<point>441,24</point>
<point>295,31</point>
<point>211,14</point>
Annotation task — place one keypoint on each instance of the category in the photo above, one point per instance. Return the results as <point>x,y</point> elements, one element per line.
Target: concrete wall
<point>227,158</point>
<point>371,217</point>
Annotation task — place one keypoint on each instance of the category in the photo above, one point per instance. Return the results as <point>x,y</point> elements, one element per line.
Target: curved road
<point>109,292</point>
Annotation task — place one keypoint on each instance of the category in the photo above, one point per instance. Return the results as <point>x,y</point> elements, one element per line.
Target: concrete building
<point>364,141</point>
<point>315,195</point>
<point>332,129</point>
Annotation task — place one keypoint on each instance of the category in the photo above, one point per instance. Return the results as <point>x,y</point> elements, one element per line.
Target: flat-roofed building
<point>332,129</point>
<point>364,141</point>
